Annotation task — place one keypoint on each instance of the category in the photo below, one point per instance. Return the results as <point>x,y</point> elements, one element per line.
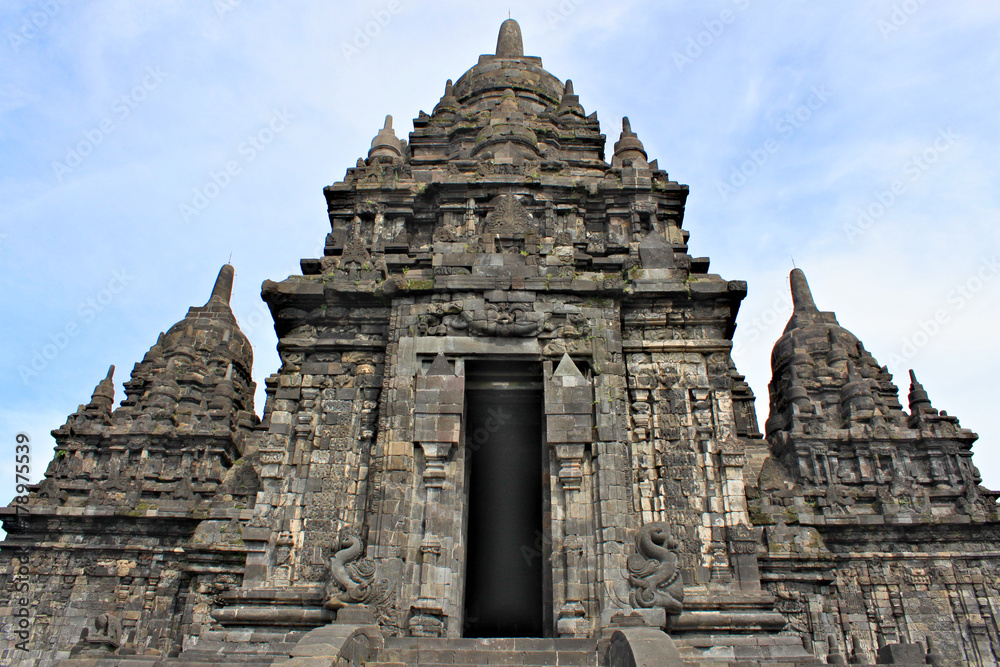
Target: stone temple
<point>507,429</point>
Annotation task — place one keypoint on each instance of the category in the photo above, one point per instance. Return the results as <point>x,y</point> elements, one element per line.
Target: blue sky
<point>142,144</point>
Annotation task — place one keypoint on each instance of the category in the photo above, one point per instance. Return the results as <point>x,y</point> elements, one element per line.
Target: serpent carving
<point>357,580</point>
<point>653,571</point>
<point>354,577</point>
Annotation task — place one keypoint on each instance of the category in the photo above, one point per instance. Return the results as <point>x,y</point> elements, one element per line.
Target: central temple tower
<point>505,364</point>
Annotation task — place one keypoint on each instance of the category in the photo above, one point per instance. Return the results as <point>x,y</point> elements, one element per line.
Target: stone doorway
<point>505,580</point>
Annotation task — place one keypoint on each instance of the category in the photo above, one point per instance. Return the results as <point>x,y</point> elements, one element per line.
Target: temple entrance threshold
<point>505,576</point>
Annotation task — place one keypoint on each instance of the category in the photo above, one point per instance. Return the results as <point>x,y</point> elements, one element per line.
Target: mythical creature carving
<point>357,580</point>
<point>653,570</point>
<point>514,320</point>
<point>352,574</point>
<point>442,320</point>
<point>505,320</point>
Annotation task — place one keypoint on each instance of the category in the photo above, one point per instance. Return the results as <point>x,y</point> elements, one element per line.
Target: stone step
<point>244,650</point>
<point>514,651</point>
<point>532,659</point>
<point>479,662</point>
<point>493,643</point>
<point>212,660</point>
<point>238,656</point>
<point>218,661</point>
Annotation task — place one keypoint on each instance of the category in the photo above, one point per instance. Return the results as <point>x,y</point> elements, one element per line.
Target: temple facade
<point>507,429</point>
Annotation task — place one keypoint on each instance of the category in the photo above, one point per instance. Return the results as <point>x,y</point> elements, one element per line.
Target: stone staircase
<point>432,652</point>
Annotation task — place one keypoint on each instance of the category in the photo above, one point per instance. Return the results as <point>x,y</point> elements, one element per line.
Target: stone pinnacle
<point>802,298</point>
<point>629,145</point>
<point>386,142</point>
<point>104,394</point>
<point>509,42</point>
<point>919,401</point>
<point>223,288</point>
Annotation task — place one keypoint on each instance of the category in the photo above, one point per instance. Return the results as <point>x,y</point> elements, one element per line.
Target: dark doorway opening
<point>507,553</point>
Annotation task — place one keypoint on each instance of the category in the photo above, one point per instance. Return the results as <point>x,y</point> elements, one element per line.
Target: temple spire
<point>804,310</point>
<point>103,397</point>
<point>629,148</point>
<point>223,287</point>
<point>386,145</point>
<point>570,102</point>
<point>509,42</point>
<point>802,298</point>
<point>920,402</point>
<point>448,102</point>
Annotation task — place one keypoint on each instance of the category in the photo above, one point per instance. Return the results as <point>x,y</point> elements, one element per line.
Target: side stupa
<point>507,429</point>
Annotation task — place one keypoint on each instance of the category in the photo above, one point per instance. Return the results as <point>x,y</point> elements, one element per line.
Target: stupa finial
<point>103,397</point>
<point>386,143</point>
<point>802,298</point>
<point>629,147</point>
<point>223,287</point>
<point>509,42</point>
<point>920,402</point>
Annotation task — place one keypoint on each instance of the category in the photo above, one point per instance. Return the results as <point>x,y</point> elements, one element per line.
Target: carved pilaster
<point>438,419</point>
<point>428,610</point>
<point>569,405</point>
<point>570,460</point>
<point>570,425</point>
<point>440,397</point>
<point>435,457</point>
<point>743,555</point>
<point>572,620</point>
